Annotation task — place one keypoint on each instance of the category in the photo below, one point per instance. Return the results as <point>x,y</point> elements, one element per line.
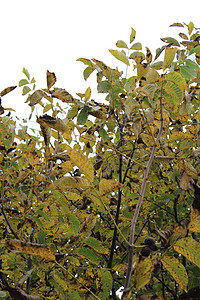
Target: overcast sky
<point>46,34</point>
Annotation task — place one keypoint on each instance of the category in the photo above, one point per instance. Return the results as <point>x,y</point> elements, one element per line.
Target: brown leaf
<point>54,123</point>
<point>51,79</point>
<point>62,95</point>
<point>35,97</point>
<point>7,90</point>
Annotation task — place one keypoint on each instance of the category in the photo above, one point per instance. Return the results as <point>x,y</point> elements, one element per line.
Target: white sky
<point>46,34</point>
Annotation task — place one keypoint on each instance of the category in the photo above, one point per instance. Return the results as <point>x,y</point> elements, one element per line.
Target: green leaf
<point>132,36</point>
<point>187,72</point>
<point>74,224</point>
<point>136,46</point>
<point>104,86</point>
<point>137,54</point>
<point>26,90</point>
<point>170,40</point>
<point>87,72</point>
<point>82,116</point>
<point>95,245</point>
<point>23,82</point>
<point>120,56</point>
<point>25,71</point>
<point>88,254</point>
<point>104,134</point>
<point>177,271</point>
<point>36,97</point>
<point>194,50</point>
<point>121,44</point>
<point>106,283</point>
<point>189,248</point>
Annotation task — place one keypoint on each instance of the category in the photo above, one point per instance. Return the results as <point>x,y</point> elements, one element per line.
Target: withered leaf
<point>51,79</point>
<point>55,123</point>
<point>7,90</point>
<point>62,95</point>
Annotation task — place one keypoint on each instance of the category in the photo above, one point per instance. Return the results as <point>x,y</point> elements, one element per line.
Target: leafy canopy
<point>105,197</point>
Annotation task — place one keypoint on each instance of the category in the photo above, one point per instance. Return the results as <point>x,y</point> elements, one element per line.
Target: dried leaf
<point>54,123</point>
<point>7,90</point>
<point>62,95</point>
<point>51,79</point>
<point>36,97</point>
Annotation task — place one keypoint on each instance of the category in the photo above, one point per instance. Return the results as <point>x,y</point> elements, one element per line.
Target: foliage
<point>106,192</point>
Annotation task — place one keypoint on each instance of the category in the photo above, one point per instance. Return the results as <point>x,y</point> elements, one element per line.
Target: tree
<point>106,197</point>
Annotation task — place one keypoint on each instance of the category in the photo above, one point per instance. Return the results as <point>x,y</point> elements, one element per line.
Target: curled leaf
<point>51,79</point>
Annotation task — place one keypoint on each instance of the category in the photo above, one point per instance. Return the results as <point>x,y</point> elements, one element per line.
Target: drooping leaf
<point>143,273</point>
<point>189,248</point>
<point>194,50</point>
<point>104,135</point>
<point>51,79</point>
<point>41,250</point>
<point>83,115</point>
<point>177,271</point>
<point>82,162</point>
<point>120,56</point>
<point>121,44</point>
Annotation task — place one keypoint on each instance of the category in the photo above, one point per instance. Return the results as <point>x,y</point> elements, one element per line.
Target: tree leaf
<point>26,90</point>
<point>87,94</point>
<point>36,97</point>
<point>190,27</point>
<point>55,123</point>
<point>189,248</point>
<point>62,95</point>
<point>143,273</point>
<point>107,186</point>
<point>177,25</point>
<point>169,57</point>
<point>23,82</point>
<point>25,71</point>
<point>82,162</point>
<point>83,115</point>
<point>170,40</point>
<point>194,225</point>
<point>88,254</point>
<point>136,46</point>
<point>66,183</point>
<point>183,36</point>
<point>120,56</point>
<point>95,245</point>
<point>121,44</point>
<point>132,36</point>
<point>177,271</point>
<point>86,61</point>
<point>104,86</point>
<point>41,250</point>
<point>7,90</point>
<point>51,79</point>
<point>87,72</point>
<point>194,50</point>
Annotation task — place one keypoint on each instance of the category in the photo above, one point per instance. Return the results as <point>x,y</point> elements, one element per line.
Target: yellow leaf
<point>107,186</point>
<point>51,79</point>
<point>189,248</point>
<point>41,250</point>
<point>7,90</point>
<point>194,225</point>
<point>68,182</point>
<point>143,273</point>
<point>87,94</point>
<point>120,55</point>
<point>132,36</point>
<point>82,162</point>
<point>169,56</point>
<point>177,271</point>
